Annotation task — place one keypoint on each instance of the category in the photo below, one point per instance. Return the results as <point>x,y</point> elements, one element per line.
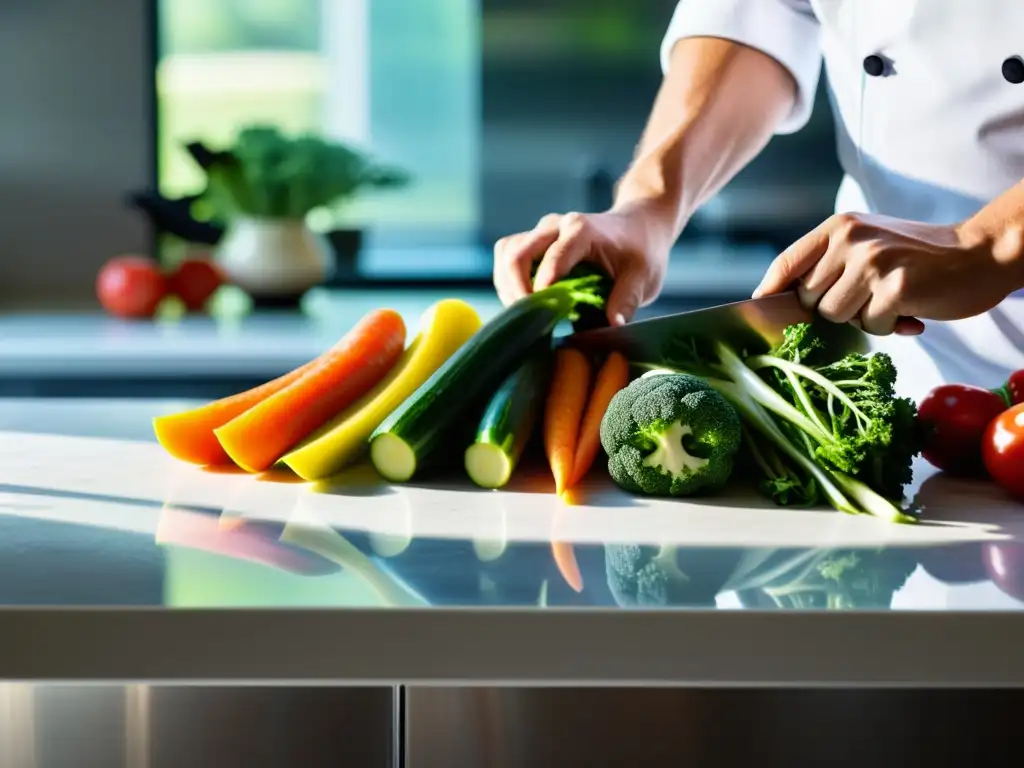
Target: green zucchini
<point>589,316</point>
<point>414,435</point>
<point>508,422</point>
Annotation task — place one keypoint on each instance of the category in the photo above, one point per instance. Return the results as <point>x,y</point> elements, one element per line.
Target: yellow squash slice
<point>445,327</point>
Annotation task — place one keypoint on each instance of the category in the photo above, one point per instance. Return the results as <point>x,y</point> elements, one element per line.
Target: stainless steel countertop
<point>118,563</point>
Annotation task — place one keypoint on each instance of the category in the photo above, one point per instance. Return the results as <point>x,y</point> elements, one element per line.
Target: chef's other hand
<point>883,273</point>
<point>627,243</point>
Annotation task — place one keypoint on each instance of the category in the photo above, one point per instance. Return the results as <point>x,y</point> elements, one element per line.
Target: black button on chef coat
<point>1013,70</point>
<point>874,65</point>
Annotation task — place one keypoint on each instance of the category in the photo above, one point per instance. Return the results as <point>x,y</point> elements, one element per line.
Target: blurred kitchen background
<point>499,111</point>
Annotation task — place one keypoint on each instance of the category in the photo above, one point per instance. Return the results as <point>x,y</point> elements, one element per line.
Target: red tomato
<point>195,281</point>
<point>955,417</point>
<point>131,286</point>
<point>954,563</point>
<point>1003,450</point>
<point>1004,562</point>
<point>1015,387</point>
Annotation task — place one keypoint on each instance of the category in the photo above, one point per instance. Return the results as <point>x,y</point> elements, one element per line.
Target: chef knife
<point>754,326</point>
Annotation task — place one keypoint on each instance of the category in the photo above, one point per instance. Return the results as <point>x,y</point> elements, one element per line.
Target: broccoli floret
<point>670,435</point>
<point>652,576</point>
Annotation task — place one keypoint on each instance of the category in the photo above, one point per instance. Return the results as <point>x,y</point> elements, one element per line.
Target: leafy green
<point>589,317</point>
<point>817,427</point>
<point>266,174</point>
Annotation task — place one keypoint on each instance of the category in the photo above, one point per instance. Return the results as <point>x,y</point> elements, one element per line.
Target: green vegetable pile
<point>266,174</point>
<point>817,428</point>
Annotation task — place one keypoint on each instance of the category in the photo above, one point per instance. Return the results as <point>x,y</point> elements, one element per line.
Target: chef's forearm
<point>999,228</point>
<point>718,106</point>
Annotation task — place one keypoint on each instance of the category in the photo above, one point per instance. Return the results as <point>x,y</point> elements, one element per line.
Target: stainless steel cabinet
<point>43,726</point>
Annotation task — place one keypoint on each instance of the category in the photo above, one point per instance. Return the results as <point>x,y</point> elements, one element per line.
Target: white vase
<point>273,258</point>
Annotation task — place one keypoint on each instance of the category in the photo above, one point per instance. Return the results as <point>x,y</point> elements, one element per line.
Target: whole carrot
<point>613,376</point>
<point>567,397</point>
<point>256,439</point>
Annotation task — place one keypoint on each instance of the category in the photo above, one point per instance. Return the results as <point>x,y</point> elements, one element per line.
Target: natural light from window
<point>397,77</point>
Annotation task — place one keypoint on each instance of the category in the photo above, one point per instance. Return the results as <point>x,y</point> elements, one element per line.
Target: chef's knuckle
<point>574,224</point>
<point>899,281</point>
<point>549,220</point>
<point>872,258</point>
<point>846,224</point>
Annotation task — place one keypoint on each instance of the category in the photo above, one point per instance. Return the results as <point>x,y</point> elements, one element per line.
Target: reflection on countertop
<point>123,524</point>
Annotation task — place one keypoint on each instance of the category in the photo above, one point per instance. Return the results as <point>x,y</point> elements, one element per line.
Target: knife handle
<point>905,326</point>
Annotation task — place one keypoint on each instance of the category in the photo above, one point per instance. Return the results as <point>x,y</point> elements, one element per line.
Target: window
<point>502,110</point>
<point>398,78</point>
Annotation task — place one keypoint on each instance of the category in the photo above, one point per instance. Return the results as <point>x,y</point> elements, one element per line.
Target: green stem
<point>761,420</point>
<point>739,372</point>
<point>759,458</point>
<point>758,362</point>
<point>805,401</point>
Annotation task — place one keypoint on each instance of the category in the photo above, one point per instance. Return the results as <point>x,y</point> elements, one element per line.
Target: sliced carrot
<point>188,435</point>
<point>567,397</point>
<point>256,439</point>
<point>613,376</point>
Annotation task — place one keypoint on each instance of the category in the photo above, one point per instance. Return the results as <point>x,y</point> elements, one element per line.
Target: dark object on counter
<point>204,156</point>
<point>346,245</point>
<point>173,216</point>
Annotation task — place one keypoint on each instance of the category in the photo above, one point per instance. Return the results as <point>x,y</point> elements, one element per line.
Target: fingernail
<point>619,319</point>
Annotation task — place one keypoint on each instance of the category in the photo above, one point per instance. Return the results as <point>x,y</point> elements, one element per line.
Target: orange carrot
<point>562,551</point>
<point>567,397</point>
<point>613,376</point>
<point>256,439</point>
<point>565,559</point>
<point>188,435</point>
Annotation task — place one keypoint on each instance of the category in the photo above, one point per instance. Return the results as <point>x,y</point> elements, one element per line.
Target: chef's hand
<point>629,243</point>
<point>883,273</point>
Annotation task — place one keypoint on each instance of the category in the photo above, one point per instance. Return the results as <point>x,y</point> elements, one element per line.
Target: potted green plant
<point>262,189</point>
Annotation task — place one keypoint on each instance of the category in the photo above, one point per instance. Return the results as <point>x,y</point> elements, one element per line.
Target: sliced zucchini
<point>415,434</point>
<point>509,421</point>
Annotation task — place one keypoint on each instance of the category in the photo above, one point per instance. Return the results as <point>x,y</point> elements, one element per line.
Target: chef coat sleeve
<point>786,30</point>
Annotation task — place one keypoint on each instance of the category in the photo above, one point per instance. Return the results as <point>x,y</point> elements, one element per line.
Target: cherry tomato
<point>1003,450</point>
<point>954,417</point>
<point>1015,387</point>
<point>131,286</point>
<point>195,281</point>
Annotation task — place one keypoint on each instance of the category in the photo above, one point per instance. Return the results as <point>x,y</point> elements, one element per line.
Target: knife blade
<point>753,326</point>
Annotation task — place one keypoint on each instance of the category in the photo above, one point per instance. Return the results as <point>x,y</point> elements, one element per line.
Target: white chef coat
<point>928,97</point>
<point>933,136</point>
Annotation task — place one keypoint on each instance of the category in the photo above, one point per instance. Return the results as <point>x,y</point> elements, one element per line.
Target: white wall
<point>75,136</point>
